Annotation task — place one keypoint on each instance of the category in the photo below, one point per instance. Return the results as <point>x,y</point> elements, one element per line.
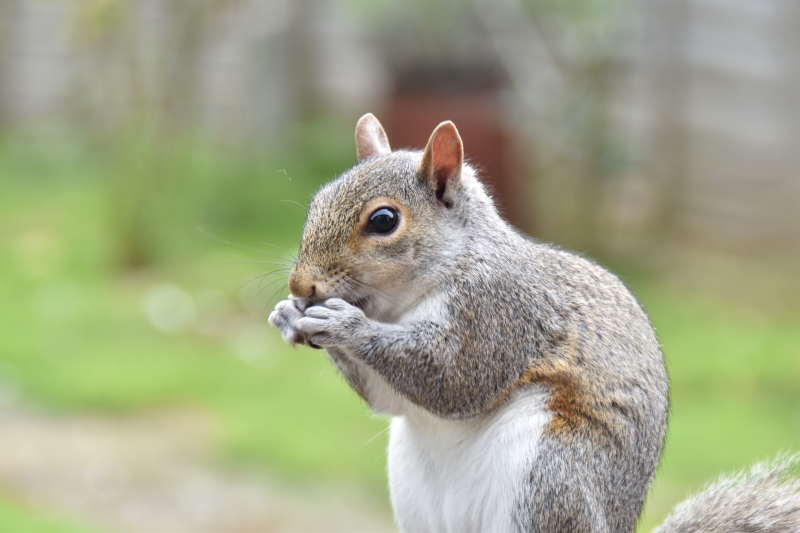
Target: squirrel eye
<point>383,220</point>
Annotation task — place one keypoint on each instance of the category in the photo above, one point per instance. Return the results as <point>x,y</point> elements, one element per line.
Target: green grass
<point>75,337</point>
<point>17,518</point>
<point>735,391</point>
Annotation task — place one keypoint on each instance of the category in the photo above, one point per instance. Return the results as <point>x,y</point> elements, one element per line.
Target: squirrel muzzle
<point>301,285</point>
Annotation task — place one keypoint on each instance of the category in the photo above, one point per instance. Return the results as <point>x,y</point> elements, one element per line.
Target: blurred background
<point>156,159</point>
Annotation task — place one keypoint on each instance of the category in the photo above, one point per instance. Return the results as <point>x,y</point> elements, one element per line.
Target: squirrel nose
<point>301,288</point>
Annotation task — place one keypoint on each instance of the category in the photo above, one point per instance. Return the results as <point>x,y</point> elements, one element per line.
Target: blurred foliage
<point>97,20</point>
<point>441,19</point>
<point>423,31</point>
<point>140,84</point>
<point>83,329</point>
<point>159,191</point>
<point>15,518</point>
<point>452,31</point>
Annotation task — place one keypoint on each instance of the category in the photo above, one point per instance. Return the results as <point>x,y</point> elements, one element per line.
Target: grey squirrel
<point>527,388</point>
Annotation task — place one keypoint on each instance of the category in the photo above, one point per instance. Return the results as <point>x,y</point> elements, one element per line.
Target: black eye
<point>383,220</point>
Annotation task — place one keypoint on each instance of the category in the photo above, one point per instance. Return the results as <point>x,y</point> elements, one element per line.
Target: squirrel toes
<point>526,386</point>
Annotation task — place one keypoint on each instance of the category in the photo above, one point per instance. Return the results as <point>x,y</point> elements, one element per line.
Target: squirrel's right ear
<point>371,140</point>
<point>442,161</point>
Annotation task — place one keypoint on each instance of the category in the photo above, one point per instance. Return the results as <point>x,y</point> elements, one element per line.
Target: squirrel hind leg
<point>564,492</point>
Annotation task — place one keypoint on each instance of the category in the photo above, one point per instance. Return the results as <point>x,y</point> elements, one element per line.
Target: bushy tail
<point>764,500</point>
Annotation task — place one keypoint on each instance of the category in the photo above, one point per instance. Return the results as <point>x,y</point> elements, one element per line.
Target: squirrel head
<point>381,234</point>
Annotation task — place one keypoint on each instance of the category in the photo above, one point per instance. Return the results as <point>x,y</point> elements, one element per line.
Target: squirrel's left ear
<point>442,160</point>
<point>371,140</point>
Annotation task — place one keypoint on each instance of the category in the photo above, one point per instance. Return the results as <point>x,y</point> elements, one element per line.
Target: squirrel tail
<point>764,500</point>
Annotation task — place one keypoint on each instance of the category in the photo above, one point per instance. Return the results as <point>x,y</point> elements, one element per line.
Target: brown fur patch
<point>568,403</point>
<point>574,402</point>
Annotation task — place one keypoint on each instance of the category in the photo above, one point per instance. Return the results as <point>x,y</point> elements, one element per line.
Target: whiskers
<point>284,260</point>
<point>281,265</point>
<point>267,281</point>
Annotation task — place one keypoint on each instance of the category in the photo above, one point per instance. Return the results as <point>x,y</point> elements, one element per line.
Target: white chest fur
<point>464,476</point>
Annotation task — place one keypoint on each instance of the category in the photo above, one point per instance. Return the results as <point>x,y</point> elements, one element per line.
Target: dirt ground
<point>157,472</point>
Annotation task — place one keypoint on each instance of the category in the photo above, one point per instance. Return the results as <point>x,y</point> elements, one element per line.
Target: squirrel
<point>526,386</point>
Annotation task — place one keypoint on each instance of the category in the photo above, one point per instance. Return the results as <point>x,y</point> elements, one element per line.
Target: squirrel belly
<point>527,387</point>
<point>465,475</point>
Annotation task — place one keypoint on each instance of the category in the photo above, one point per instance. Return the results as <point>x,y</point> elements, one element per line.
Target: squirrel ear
<point>442,159</point>
<point>371,140</point>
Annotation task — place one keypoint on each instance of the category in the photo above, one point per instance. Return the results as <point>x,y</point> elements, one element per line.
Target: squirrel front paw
<point>331,323</point>
<point>285,317</point>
